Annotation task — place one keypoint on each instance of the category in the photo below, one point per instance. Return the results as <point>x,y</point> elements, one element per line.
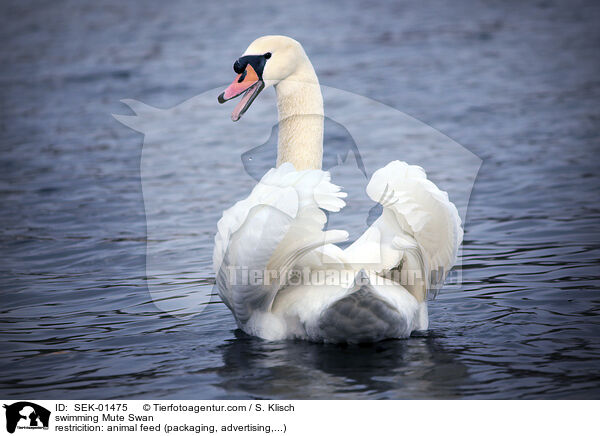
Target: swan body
<point>280,273</point>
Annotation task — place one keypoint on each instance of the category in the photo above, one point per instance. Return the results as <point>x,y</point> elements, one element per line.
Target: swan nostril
<point>243,76</point>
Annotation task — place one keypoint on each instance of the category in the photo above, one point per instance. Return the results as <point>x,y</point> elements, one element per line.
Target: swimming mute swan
<point>279,272</point>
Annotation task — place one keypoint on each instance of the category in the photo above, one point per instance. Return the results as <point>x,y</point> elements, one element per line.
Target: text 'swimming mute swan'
<point>279,273</point>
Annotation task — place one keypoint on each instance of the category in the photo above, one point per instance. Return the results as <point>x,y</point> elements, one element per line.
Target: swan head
<point>266,62</point>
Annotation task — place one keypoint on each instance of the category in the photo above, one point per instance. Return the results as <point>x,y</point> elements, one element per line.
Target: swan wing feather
<point>281,221</point>
<point>419,229</point>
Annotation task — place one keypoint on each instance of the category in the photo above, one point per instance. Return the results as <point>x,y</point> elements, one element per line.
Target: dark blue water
<point>516,84</point>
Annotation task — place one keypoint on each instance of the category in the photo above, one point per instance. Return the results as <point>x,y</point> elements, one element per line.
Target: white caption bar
<point>148,417</point>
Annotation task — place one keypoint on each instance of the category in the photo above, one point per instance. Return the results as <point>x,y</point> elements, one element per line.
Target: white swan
<point>277,270</point>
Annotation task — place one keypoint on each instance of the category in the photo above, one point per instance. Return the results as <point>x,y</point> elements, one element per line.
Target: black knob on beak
<point>256,61</point>
<point>239,67</point>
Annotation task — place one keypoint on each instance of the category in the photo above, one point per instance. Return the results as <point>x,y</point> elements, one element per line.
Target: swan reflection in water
<point>418,367</point>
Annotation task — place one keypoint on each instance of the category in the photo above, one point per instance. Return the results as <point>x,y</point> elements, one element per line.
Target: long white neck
<point>300,108</point>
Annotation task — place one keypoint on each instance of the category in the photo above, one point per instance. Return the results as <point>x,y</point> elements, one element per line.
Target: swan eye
<point>267,55</point>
